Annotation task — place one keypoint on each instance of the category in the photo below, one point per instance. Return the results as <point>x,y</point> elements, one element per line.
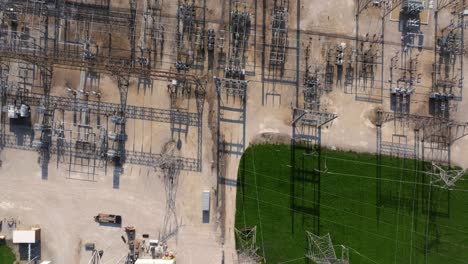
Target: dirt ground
<point>65,208</point>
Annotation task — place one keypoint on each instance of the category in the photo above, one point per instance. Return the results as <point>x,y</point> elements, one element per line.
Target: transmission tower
<point>247,249</point>
<point>321,250</point>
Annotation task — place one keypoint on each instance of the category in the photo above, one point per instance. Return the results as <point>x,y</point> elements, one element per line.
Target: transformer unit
<point>400,100</point>
<point>412,7</point>
<point>439,104</point>
<point>22,111</point>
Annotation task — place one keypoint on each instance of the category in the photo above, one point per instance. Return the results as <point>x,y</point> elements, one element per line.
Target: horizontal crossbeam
<point>132,157</point>
<point>312,118</point>
<point>104,108</point>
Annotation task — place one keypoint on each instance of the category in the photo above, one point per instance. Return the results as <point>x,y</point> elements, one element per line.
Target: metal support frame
<point>447,69</point>
<point>312,91</point>
<point>150,38</point>
<point>232,89</point>
<point>409,196</point>
<point>4,74</point>
<point>107,109</point>
<point>329,72</point>
<point>402,86</point>
<point>180,92</point>
<point>61,48</point>
<point>349,71</point>
<point>433,138</point>
<point>81,146</point>
<point>117,152</point>
<point>312,86</point>
<point>435,134</point>
<point>232,110</point>
<point>278,50</point>
<point>410,24</point>
<point>200,98</point>
<point>73,53</point>
<point>279,36</point>
<point>232,96</point>
<point>47,117</point>
<point>321,250</point>
<point>369,63</point>
<point>101,108</point>
<point>190,34</point>
<point>306,149</point>
<point>306,163</point>
<point>239,31</point>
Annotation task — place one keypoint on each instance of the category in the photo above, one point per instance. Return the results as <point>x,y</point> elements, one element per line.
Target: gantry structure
<point>306,141</point>
<point>369,48</point>
<point>449,51</point>
<point>428,154</point>
<point>231,89</point>
<point>278,50</point>
<point>39,38</point>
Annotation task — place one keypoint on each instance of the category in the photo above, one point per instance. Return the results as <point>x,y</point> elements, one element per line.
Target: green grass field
<point>6,255</point>
<point>410,219</point>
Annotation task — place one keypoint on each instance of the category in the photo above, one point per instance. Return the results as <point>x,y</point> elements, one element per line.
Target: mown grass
<point>410,219</point>
<point>6,255</point>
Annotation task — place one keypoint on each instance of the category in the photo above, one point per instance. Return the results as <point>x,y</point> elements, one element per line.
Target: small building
<point>206,207</point>
<point>29,242</point>
<point>31,235</point>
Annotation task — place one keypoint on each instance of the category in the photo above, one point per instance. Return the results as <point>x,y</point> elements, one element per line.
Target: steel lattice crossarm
<point>231,87</point>
<point>430,126</point>
<point>449,129</point>
<point>308,117</point>
<point>158,160</point>
<point>104,108</point>
<point>385,117</point>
